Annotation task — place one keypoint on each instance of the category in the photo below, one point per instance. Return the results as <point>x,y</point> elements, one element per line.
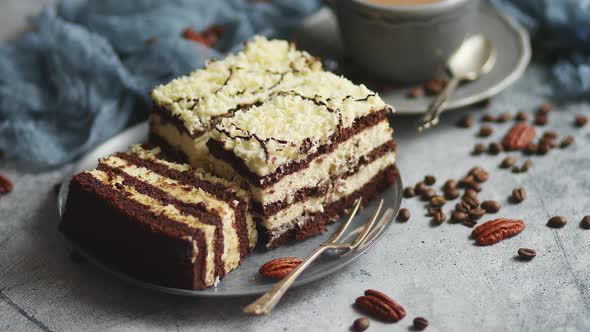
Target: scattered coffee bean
<point>518,195</point>
<point>549,141</point>
<point>419,188</point>
<point>491,206</point>
<point>557,222</point>
<point>437,201</point>
<point>526,166</point>
<point>550,134</point>
<point>476,214</point>
<point>458,216</point>
<point>428,194</point>
<point>473,185</point>
<point>545,108</point>
<point>360,324</point>
<point>470,193</point>
<point>463,181</point>
<point>515,169</point>
<point>494,148</point>
<point>435,85</point>
<point>415,92</point>
<point>420,323</point>
<point>469,223</point>
<point>526,253</point>
<point>404,215</point>
<point>432,210</point>
<point>409,192</point>
<point>485,131</point>
<point>452,193</point>
<point>508,162</point>
<point>462,207</point>
<point>504,117</point>
<point>585,223</point>
<point>466,121</point>
<point>478,149</point>
<point>439,217</point>
<point>450,184</point>
<point>567,141</point>
<point>429,180</point>
<point>581,120</point>
<point>484,103</point>
<point>531,148</point>
<point>541,119</point>
<point>471,202</point>
<point>479,174</point>
<point>488,118</point>
<point>544,148</point>
<point>521,116</point>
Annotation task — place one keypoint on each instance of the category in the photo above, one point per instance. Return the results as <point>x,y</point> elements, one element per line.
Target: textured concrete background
<point>435,272</point>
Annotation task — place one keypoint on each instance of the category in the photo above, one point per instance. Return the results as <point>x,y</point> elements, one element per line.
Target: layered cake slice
<point>305,143</point>
<point>158,221</point>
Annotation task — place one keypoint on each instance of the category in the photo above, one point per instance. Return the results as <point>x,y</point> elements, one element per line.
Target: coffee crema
<point>402,2</point>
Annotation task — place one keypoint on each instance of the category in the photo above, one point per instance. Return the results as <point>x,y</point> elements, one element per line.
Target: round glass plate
<point>320,36</point>
<point>246,280</point>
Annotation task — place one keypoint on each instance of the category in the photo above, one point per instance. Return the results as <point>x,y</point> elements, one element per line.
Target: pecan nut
<point>279,268</point>
<point>381,306</point>
<point>519,136</point>
<point>497,230</point>
<point>5,185</point>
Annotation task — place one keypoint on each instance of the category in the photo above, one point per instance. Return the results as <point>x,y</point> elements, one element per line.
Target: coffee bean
<point>420,323</point>
<point>360,324</point>
<point>477,213</point>
<point>450,184</point>
<point>466,121</point>
<point>484,103</point>
<point>429,180</point>
<point>518,195</point>
<point>471,202</point>
<point>508,162</point>
<point>541,119</point>
<point>521,116</point>
<point>415,92</point>
<point>488,118</point>
<point>504,117</point>
<point>494,148</point>
<point>478,149</point>
<point>491,206</point>
<point>470,193</point>
<point>479,174</point>
<point>462,207</point>
<point>567,141</point>
<point>409,192</point>
<point>557,222</point>
<point>515,169</point>
<point>545,108</point>
<point>428,194</point>
<point>526,253</point>
<point>473,185</point>
<point>544,148</point>
<point>581,120</point>
<point>419,188</point>
<point>549,141</point>
<point>458,216</point>
<point>469,223</point>
<point>452,193</point>
<point>550,134</point>
<point>526,165</point>
<point>463,181</point>
<point>585,223</point>
<point>432,210</point>
<point>439,217</point>
<point>435,85</point>
<point>485,131</point>
<point>437,201</point>
<point>404,215</point>
<point>531,148</point>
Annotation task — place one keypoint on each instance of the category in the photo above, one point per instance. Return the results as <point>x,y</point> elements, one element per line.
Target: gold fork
<point>264,304</point>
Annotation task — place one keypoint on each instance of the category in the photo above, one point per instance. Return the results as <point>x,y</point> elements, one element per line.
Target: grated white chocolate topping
<point>240,79</point>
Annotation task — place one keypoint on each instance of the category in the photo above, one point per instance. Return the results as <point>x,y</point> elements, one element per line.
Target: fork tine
<point>367,227</point>
<point>336,236</point>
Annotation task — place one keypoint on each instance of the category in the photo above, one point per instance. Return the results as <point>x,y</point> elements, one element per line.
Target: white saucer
<point>319,35</point>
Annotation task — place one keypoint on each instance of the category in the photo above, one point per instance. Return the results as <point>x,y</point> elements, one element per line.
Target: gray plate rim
<point>134,135</point>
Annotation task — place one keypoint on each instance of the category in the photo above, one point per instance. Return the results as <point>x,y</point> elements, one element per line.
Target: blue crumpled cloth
<point>560,30</point>
<point>85,71</point>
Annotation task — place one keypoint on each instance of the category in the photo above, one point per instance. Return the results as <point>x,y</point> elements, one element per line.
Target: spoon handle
<point>430,118</point>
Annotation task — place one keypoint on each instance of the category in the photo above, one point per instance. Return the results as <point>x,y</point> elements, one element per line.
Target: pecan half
<point>496,230</point>
<point>5,185</point>
<point>280,267</point>
<point>519,136</point>
<point>381,306</point>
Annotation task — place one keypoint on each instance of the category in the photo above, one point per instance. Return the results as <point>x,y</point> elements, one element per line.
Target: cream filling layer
<point>191,195</point>
<point>341,188</point>
<point>171,212</point>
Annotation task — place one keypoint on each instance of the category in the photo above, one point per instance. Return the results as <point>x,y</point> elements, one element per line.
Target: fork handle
<point>440,102</point>
<point>264,304</point>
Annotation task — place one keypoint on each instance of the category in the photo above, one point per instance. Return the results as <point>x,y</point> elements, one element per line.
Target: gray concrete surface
<point>435,272</point>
